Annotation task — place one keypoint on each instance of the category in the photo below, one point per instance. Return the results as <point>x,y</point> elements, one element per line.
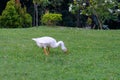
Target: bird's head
<point>64,49</point>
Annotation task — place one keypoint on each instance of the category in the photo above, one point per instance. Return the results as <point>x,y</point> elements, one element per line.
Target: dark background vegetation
<point>69,19</point>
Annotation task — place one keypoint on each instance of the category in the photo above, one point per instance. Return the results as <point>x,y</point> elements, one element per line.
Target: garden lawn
<point>92,54</point>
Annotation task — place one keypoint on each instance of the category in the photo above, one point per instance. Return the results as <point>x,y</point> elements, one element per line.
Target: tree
<point>54,5</point>
<point>101,9</point>
<point>14,16</point>
<point>76,8</point>
<point>36,3</point>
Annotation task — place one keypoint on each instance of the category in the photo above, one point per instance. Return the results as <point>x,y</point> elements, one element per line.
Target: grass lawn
<point>93,54</point>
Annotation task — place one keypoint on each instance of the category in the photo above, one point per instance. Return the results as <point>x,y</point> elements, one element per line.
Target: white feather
<point>49,42</point>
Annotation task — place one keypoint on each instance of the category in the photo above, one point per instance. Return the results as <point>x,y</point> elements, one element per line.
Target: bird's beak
<point>66,51</point>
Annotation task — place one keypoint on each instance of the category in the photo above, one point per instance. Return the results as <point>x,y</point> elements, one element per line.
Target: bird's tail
<point>34,39</point>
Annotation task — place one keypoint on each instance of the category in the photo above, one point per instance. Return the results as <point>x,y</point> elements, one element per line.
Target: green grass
<point>93,54</point>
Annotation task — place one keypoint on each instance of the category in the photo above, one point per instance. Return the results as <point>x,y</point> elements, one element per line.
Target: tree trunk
<point>35,14</point>
<point>99,22</point>
<point>17,1</point>
<point>78,18</point>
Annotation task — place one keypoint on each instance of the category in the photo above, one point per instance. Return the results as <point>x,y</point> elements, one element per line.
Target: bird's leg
<point>48,50</point>
<point>45,51</point>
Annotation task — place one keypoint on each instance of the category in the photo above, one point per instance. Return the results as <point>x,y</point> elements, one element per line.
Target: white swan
<point>47,42</point>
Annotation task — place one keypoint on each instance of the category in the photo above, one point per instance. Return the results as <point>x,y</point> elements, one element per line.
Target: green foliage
<point>25,19</point>
<point>89,21</point>
<point>93,55</point>
<point>42,3</point>
<point>51,18</point>
<point>9,16</point>
<point>14,16</point>
<point>101,8</point>
<point>55,4</point>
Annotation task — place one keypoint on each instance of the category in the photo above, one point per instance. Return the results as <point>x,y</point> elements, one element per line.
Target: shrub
<point>51,19</point>
<point>14,16</point>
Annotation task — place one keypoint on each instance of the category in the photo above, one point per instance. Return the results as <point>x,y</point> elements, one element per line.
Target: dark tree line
<point>68,18</point>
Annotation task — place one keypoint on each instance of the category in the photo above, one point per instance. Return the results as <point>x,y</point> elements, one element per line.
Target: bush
<point>14,16</point>
<point>51,19</point>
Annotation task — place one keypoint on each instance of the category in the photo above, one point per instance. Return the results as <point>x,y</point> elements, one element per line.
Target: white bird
<point>49,42</point>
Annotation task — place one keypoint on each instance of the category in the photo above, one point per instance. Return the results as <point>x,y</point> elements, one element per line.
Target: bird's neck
<point>61,44</point>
